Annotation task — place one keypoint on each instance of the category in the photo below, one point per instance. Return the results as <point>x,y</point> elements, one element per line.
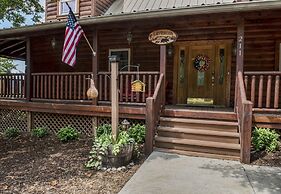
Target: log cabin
<point>207,113</point>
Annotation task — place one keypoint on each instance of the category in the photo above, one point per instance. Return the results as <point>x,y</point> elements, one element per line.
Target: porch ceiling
<point>13,48</point>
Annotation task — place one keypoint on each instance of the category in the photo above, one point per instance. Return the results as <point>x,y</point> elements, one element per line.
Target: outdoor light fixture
<point>170,50</point>
<point>53,43</point>
<point>129,37</point>
<point>125,124</point>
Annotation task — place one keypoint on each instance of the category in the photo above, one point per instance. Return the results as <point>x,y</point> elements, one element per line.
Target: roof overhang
<point>207,9</point>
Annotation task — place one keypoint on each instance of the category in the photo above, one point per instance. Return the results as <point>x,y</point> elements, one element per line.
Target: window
<point>63,8</point>
<point>124,55</point>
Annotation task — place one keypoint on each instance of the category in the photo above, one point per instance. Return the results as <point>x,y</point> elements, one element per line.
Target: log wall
<point>262,31</point>
<point>87,8</point>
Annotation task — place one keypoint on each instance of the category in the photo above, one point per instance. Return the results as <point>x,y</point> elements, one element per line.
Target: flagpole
<point>94,53</point>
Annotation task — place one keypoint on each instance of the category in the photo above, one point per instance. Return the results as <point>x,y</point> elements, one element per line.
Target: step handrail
<point>154,106</point>
<point>244,110</point>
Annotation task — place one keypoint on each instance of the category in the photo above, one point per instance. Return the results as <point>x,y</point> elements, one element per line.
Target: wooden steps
<point>193,134</point>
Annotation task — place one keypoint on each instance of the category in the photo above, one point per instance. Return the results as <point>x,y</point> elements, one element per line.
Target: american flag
<point>73,34</point>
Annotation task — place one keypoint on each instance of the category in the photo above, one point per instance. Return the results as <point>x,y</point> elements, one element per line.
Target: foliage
<point>11,132</point>
<point>106,128</point>
<point>67,134</point>
<point>137,132</point>
<point>105,142</point>
<point>39,132</point>
<point>15,11</point>
<point>265,139</point>
<point>6,65</point>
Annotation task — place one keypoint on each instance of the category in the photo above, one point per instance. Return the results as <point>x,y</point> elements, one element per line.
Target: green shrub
<point>39,132</point>
<point>265,139</point>
<point>104,129</point>
<point>67,134</point>
<point>11,132</point>
<point>137,132</point>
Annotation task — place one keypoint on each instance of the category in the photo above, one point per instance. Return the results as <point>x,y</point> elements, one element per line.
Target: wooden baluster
<point>45,87</point>
<point>149,85</point>
<point>79,87</point>
<point>127,87</point>
<point>246,80</point>
<point>37,86</point>
<point>132,93</point>
<point>268,91</point>
<point>138,94</point>
<point>155,81</point>
<point>75,87</point>
<point>121,88</point>
<point>101,91</point>
<point>58,87</point>
<point>84,87</point>
<point>33,86</point>
<point>41,86</point>
<point>53,87</point>
<point>49,87</point>
<point>70,87</point>
<point>61,86</point>
<point>15,79</point>
<point>260,92</point>
<point>105,87</point>
<point>253,89</point>
<point>66,87</point>
<point>277,89</point>
<point>143,94</point>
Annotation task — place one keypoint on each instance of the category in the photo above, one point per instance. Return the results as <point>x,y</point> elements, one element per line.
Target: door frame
<point>229,46</point>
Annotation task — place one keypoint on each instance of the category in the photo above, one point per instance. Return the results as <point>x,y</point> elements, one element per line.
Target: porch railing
<point>263,88</point>
<point>60,86</point>
<point>73,86</point>
<point>154,106</point>
<point>244,114</point>
<point>125,79</point>
<point>12,86</point>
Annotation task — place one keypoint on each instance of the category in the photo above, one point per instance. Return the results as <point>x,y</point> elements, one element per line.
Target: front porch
<point>243,80</point>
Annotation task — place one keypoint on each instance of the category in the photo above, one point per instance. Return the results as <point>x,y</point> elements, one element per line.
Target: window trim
<point>122,49</point>
<point>76,11</point>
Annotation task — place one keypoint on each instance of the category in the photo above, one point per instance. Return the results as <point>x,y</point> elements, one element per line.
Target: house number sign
<point>162,37</point>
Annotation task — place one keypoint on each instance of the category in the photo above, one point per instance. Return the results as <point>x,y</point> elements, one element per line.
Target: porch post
<point>114,96</point>
<point>28,71</point>
<point>239,55</point>
<point>163,62</point>
<point>95,62</point>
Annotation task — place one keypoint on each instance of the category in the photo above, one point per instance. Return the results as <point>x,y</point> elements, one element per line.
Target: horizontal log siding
<point>48,59</point>
<point>262,30</point>
<point>147,54</point>
<point>87,8</point>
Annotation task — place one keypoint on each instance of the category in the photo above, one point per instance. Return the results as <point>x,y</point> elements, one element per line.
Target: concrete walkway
<point>164,173</point>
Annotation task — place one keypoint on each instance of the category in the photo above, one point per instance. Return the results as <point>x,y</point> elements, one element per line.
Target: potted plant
<point>110,152</point>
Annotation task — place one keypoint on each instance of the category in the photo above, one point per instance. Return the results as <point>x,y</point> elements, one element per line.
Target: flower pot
<point>121,159</point>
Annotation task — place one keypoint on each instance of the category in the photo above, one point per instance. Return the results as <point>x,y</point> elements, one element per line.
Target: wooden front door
<point>202,73</point>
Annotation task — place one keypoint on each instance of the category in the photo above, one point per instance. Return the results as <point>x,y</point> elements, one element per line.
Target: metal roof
<point>132,6</point>
<point>26,31</point>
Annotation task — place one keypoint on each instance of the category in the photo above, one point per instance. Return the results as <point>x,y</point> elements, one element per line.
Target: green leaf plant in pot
<point>106,151</point>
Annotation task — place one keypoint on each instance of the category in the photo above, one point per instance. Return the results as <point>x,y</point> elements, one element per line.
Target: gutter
<point>184,11</point>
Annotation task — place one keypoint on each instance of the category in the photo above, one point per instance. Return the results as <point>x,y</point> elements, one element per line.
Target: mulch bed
<point>31,165</point>
<point>266,159</point>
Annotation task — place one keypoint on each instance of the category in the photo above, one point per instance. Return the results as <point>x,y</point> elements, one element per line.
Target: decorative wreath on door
<point>202,63</point>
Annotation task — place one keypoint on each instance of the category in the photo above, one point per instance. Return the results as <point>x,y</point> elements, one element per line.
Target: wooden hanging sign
<point>138,86</point>
<point>162,37</point>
